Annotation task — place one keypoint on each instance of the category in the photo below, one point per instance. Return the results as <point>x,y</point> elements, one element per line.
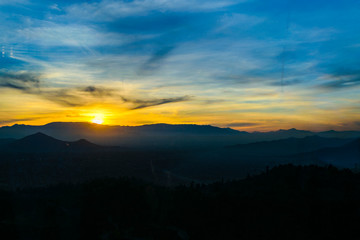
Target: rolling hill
<point>165,136</point>
<point>288,146</point>
<point>40,142</point>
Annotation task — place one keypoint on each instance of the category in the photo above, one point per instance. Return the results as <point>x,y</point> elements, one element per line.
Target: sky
<point>246,64</point>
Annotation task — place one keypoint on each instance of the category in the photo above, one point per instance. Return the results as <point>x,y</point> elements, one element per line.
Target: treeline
<point>286,202</point>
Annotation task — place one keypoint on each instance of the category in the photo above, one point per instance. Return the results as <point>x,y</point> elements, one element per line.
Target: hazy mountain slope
<point>341,134</point>
<point>287,146</point>
<point>40,142</point>
<point>238,163</point>
<point>84,160</point>
<point>347,156</point>
<point>165,136</point>
<point>82,128</point>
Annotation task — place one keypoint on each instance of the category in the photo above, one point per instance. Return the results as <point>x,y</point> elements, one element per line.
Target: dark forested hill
<point>286,202</point>
<point>39,159</point>
<point>289,146</point>
<point>40,142</point>
<point>347,156</point>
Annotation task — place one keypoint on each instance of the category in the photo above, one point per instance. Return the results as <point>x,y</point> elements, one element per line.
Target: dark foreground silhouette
<point>287,202</point>
<point>40,160</point>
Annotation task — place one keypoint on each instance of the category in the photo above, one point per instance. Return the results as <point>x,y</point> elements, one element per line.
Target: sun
<point>97,121</point>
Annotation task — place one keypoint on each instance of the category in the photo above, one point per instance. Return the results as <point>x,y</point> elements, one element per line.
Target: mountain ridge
<point>289,145</point>
<point>40,142</point>
<point>160,135</point>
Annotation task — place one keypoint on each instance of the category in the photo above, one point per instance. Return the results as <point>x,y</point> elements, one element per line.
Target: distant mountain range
<point>280,134</point>
<point>40,142</point>
<point>288,146</point>
<point>82,159</point>
<point>160,135</point>
<point>343,153</point>
<point>75,128</point>
<point>346,156</point>
<point>248,159</point>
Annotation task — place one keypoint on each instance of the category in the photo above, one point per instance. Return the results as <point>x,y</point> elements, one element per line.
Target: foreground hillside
<point>41,160</point>
<point>286,202</point>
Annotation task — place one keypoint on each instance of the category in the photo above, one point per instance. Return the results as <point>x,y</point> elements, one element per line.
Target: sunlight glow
<point>97,121</point>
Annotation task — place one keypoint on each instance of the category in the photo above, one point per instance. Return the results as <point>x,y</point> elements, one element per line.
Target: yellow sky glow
<point>242,113</point>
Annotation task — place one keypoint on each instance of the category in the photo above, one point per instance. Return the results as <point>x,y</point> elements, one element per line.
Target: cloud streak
<point>342,78</point>
<point>74,97</point>
<point>24,81</point>
<point>107,10</point>
<point>7,121</point>
<point>139,104</point>
<point>155,61</point>
<point>98,91</point>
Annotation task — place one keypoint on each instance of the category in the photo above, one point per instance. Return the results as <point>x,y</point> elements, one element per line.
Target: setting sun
<point>97,121</point>
<point>98,118</point>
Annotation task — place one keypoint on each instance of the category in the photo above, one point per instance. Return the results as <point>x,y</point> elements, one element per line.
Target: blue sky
<point>251,65</point>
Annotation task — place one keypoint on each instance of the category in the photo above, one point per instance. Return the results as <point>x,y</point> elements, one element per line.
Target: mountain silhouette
<point>282,134</point>
<point>340,134</point>
<point>347,156</point>
<point>187,129</point>
<point>146,136</point>
<point>161,135</point>
<point>294,130</point>
<point>84,128</point>
<point>288,146</point>
<point>40,142</point>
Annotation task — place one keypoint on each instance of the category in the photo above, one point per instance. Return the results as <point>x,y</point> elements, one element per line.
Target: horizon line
<point>106,125</point>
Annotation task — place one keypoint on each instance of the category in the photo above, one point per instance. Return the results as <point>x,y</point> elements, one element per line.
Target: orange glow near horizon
<point>295,113</point>
<point>98,118</point>
<point>97,121</point>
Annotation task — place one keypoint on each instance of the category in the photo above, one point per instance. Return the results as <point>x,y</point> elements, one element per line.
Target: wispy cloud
<point>98,91</point>
<point>24,81</point>
<point>71,35</point>
<point>30,83</point>
<point>15,120</point>
<point>13,2</point>
<point>106,10</point>
<point>74,97</point>
<point>139,104</point>
<point>156,60</point>
<point>342,78</point>
<point>236,21</point>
